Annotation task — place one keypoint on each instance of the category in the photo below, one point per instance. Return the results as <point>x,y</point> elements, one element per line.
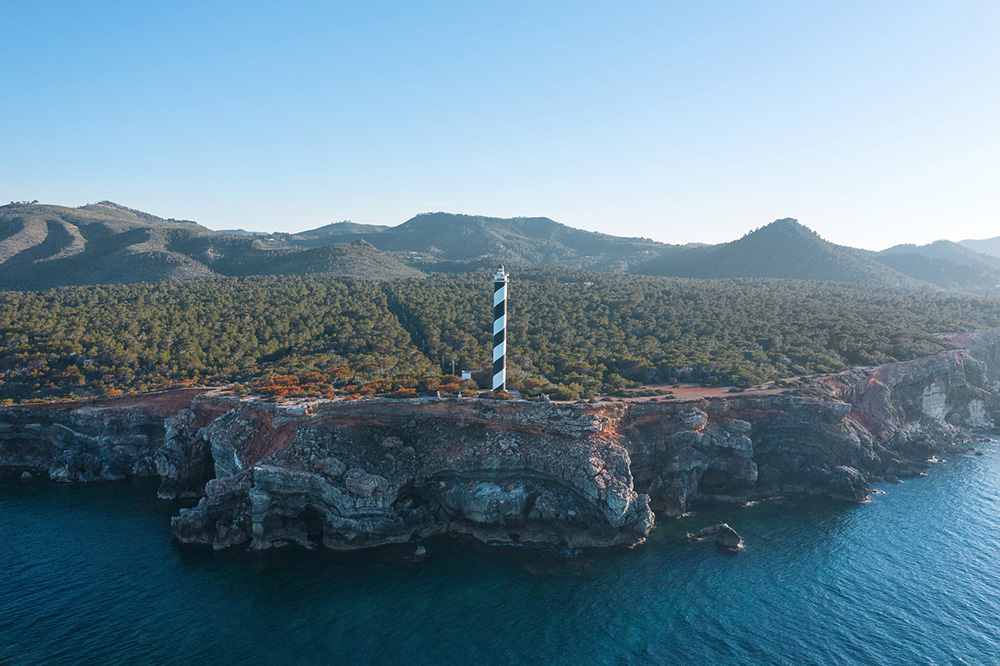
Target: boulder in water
<point>727,539</point>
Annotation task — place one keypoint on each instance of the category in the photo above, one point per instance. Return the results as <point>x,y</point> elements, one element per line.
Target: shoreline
<point>348,475</point>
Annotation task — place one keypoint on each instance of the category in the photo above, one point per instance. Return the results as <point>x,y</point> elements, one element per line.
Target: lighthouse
<point>500,329</point>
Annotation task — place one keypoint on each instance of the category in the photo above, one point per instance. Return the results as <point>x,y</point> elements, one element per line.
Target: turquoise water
<point>88,574</point>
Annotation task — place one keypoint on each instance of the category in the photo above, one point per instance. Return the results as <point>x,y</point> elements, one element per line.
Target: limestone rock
<point>331,466</point>
<point>694,419</point>
<point>361,483</point>
<point>727,539</point>
<point>499,472</point>
<point>345,475</point>
<point>184,461</point>
<point>847,483</point>
<point>738,426</point>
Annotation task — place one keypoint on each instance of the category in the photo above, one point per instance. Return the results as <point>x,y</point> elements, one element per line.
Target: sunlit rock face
<point>934,401</point>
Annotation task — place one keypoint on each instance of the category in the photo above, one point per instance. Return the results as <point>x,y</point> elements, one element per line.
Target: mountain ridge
<point>782,249</point>
<point>45,245</point>
<point>990,246</point>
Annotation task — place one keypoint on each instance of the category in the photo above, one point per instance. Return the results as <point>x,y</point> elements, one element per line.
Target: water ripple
<point>89,575</point>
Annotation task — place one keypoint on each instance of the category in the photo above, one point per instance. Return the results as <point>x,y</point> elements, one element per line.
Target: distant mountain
<point>782,249</point>
<point>451,242</point>
<point>46,246</point>
<point>358,259</point>
<point>990,246</point>
<point>336,232</point>
<point>945,264</point>
<point>243,232</point>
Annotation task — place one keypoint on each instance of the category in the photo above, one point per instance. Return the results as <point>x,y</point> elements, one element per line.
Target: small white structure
<point>466,374</point>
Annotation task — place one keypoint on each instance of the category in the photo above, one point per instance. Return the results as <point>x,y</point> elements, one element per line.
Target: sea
<point>89,575</point>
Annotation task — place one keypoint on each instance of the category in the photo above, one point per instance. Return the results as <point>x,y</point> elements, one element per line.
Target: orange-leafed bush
<point>339,373</point>
<point>430,383</point>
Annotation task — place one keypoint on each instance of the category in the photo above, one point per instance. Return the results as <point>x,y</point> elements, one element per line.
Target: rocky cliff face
<point>351,475</point>
<point>347,475</point>
<point>99,440</point>
<point>868,423</point>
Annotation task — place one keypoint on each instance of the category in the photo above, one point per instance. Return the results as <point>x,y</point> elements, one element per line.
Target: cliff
<point>356,474</point>
<point>865,424</point>
<point>98,440</point>
<point>347,475</point>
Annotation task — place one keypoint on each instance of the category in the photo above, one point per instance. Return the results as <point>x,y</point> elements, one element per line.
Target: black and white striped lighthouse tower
<point>500,329</point>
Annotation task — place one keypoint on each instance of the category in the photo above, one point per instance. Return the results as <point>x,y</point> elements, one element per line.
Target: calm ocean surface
<point>88,574</point>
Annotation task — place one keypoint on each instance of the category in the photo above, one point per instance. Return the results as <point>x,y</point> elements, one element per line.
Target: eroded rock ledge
<point>352,475</point>
<point>348,475</point>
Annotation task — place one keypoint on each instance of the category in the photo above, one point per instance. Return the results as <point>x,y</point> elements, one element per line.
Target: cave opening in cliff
<point>313,523</point>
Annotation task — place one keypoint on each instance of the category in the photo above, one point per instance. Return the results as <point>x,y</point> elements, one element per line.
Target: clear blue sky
<point>871,122</point>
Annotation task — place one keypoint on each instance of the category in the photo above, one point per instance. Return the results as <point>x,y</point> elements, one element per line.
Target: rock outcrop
<point>345,475</point>
<point>110,440</point>
<point>353,475</point>
<point>99,441</point>
<point>867,423</point>
<point>727,539</point>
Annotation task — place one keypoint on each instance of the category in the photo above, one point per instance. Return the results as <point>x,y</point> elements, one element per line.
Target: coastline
<point>344,476</point>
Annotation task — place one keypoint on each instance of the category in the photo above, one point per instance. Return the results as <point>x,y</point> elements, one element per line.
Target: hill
<point>945,264</point>
<point>357,259</point>
<point>336,232</point>
<point>45,246</point>
<point>243,232</point>
<point>782,249</point>
<point>990,246</point>
<point>448,242</point>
